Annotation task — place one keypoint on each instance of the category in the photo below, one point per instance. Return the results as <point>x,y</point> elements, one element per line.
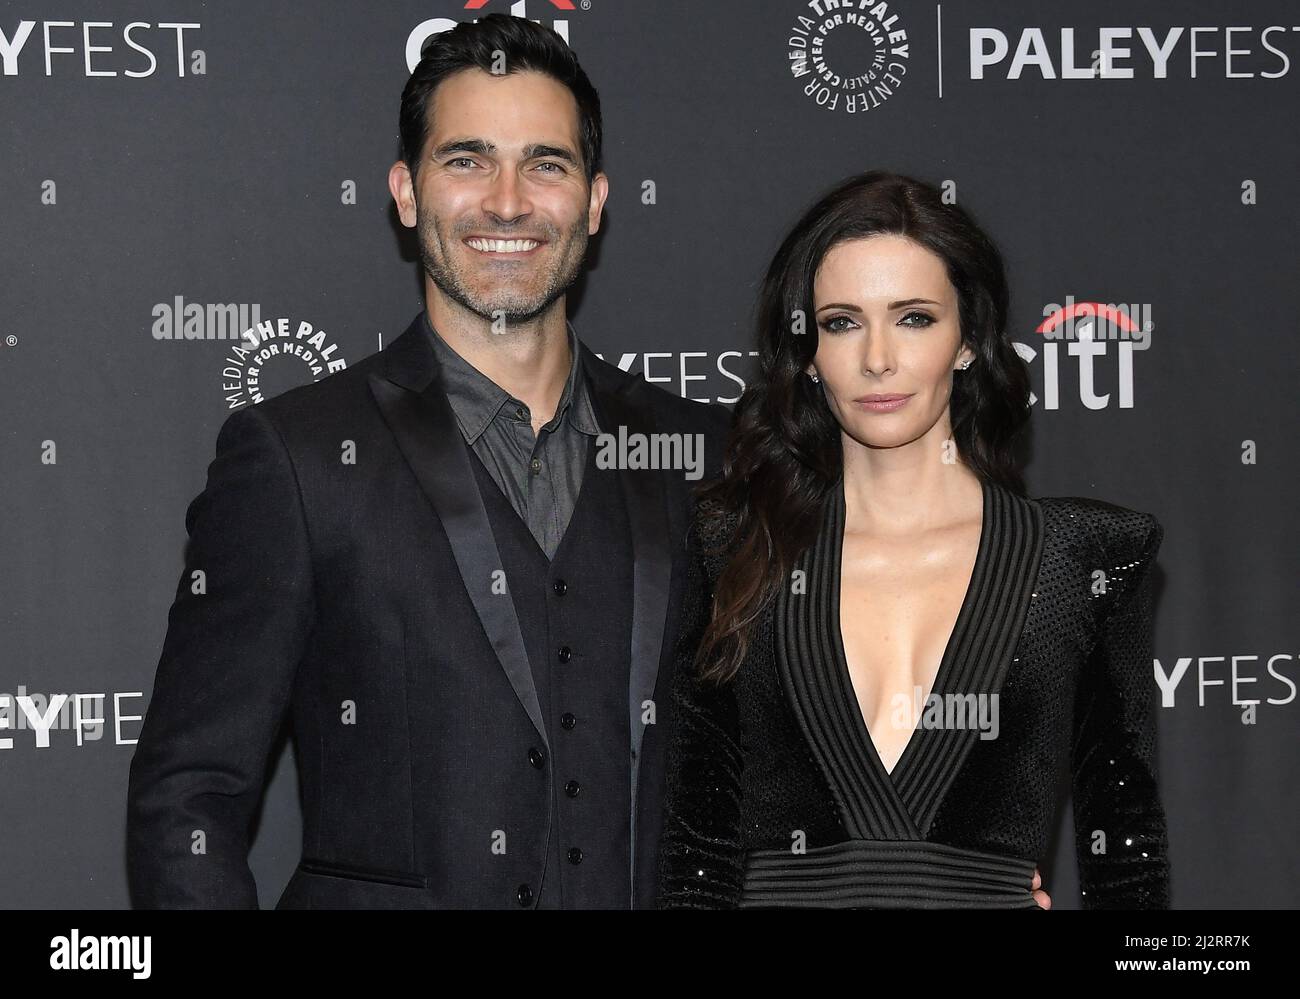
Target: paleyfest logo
<point>848,54</point>
<point>244,377</point>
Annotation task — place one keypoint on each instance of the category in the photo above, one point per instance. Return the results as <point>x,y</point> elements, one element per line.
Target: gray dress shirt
<point>540,475</point>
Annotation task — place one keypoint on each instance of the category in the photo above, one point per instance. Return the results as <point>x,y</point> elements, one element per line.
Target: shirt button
<point>519,413</point>
<point>524,894</point>
<point>571,788</point>
<point>568,721</point>
<point>559,587</point>
<point>535,464</point>
<point>536,757</point>
<point>565,653</point>
<point>575,855</point>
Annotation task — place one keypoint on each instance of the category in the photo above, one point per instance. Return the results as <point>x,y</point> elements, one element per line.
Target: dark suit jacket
<point>355,596</point>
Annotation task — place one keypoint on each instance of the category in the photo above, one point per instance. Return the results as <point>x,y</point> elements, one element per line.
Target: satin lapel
<point>414,405</point>
<point>646,497</point>
<point>979,653</point>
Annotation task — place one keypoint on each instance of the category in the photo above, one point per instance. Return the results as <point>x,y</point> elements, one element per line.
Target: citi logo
<point>1087,330</point>
<point>425,30</point>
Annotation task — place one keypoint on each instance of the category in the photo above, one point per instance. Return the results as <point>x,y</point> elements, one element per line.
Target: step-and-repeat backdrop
<point>173,173</point>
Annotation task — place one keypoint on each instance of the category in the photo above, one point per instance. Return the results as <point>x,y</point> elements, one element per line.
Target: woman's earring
<point>814,377</point>
<point>965,364</point>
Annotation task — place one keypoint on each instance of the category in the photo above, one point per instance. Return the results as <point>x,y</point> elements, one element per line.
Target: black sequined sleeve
<point>1119,822</point>
<point>700,855</point>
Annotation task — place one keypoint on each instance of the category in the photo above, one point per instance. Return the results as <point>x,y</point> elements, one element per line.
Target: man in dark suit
<point>443,562</point>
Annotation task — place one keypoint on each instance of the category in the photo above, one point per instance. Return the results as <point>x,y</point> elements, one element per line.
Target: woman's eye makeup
<point>914,319</point>
<point>828,324</point>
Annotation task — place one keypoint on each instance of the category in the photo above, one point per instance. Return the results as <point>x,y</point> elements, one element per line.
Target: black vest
<point>575,613</point>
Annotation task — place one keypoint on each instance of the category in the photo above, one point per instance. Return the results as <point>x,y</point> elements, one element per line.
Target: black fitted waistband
<point>887,874</point>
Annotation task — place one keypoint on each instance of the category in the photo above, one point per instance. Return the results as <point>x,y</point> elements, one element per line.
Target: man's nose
<point>506,200</point>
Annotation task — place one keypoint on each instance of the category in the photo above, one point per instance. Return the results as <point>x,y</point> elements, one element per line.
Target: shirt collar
<point>476,399</point>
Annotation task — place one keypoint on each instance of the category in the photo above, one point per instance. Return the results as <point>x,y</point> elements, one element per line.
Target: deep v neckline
<point>873,802</point>
<point>897,776</point>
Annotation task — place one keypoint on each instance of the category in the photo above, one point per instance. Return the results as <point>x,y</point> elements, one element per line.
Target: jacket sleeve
<point>1119,822</point>
<point>224,677</point>
<point>701,857</point>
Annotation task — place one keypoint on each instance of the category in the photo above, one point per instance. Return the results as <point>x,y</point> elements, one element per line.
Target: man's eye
<point>549,163</point>
<point>460,159</point>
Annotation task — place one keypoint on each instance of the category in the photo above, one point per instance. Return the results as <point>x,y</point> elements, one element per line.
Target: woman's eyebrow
<point>892,305</point>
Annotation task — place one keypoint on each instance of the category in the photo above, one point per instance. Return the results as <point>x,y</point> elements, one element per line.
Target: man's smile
<point>502,247</point>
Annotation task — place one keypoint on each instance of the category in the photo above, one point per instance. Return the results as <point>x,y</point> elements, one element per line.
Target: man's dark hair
<point>525,46</point>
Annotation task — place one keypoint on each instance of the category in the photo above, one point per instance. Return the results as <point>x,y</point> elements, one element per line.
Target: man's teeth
<point>503,245</point>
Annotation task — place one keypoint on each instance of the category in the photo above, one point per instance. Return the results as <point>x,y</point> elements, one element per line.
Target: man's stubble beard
<point>510,307</point>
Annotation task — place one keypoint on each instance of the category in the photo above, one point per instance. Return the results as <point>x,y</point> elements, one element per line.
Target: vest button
<point>559,587</point>
<point>536,757</point>
<point>565,653</point>
<point>567,721</point>
<point>571,788</point>
<point>524,895</point>
<point>575,855</point>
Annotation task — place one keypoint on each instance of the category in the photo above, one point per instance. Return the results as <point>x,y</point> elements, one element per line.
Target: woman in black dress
<point>891,658</point>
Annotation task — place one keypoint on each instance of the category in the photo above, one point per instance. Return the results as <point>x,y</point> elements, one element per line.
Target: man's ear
<point>596,207</point>
<point>402,188</point>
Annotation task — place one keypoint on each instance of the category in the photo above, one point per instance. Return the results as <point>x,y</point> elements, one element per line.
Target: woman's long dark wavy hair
<point>784,454</point>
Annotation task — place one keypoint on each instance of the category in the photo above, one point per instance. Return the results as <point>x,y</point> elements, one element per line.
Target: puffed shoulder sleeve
<point>700,851</point>
<point>1120,832</point>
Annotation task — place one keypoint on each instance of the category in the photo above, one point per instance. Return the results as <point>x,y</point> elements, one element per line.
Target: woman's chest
<point>899,605</point>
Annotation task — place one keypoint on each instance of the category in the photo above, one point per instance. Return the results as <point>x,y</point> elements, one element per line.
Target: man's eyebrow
<point>532,151</point>
<point>537,150</point>
<point>465,146</point>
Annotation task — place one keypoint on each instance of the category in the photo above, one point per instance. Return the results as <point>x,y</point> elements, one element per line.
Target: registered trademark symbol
<point>11,340</point>
<point>585,4</point>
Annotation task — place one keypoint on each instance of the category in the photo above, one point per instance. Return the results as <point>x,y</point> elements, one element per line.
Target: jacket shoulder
<point>1118,536</point>
<point>709,418</point>
<point>336,398</point>
<point>669,408</point>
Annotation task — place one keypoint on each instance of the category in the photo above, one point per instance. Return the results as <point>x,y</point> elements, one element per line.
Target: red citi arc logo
<point>1091,367</point>
<point>1075,311</point>
<point>479,4</point>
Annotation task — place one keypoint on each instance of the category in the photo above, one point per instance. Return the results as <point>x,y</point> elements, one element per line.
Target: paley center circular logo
<point>273,356</point>
<point>848,55</point>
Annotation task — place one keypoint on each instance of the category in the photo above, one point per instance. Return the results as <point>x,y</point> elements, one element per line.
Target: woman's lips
<point>883,403</point>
